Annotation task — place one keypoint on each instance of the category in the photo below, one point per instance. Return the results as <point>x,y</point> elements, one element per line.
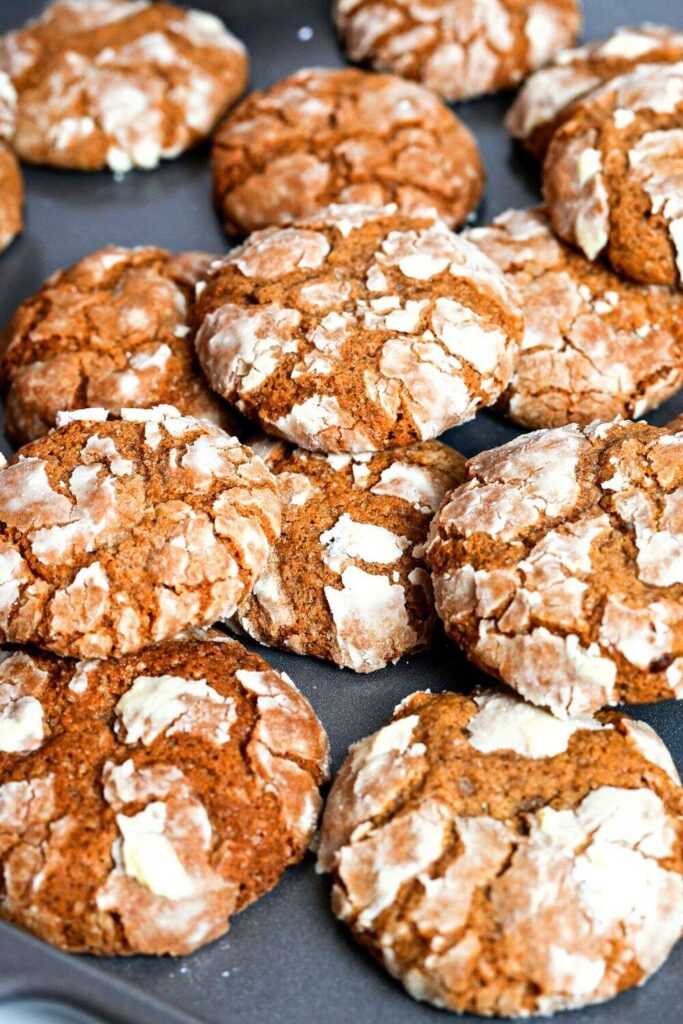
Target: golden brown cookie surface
<point>612,179</point>
<point>458,48</point>
<point>115,534</point>
<point>558,566</point>
<point>595,346</point>
<point>119,84</point>
<point>113,330</point>
<point>501,862</point>
<point>546,99</point>
<point>357,329</point>
<point>11,196</point>
<point>146,800</point>
<point>346,581</point>
<point>323,136</point>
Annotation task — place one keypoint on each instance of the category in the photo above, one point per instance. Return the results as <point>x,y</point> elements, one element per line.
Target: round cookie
<point>11,197</point>
<point>113,330</point>
<point>328,135</point>
<point>346,580</point>
<point>117,534</point>
<point>119,84</point>
<point>501,862</point>
<point>357,329</point>
<point>145,800</point>
<point>594,346</point>
<point>612,179</point>
<point>459,48</point>
<point>558,567</point>
<point>546,100</point>
<point>11,182</point>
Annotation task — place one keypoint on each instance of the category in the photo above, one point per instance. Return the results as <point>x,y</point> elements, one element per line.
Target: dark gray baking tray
<point>285,960</point>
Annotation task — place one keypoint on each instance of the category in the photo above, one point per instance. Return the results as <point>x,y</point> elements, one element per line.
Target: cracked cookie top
<point>115,534</point>
<point>145,800</point>
<point>113,330</point>
<point>458,48</point>
<point>119,84</point>
<point>558,566</point>
<point>594,345</point>
<point>500,861</point>
<point>546,100</point>
<point>346,581</point>
<point>323,136</point>
<point>358,329</point>
<point>612,174</point>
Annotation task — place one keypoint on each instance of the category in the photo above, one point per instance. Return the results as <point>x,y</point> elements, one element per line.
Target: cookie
<point>676,424</point>
<point>146,800</point>
<point>357,329</point>
<point>546,100</point>
<point>119,84</point>
<point>501,862</point>
<point>11,197</point>
<point>346,580</point>
<point>115,534</point>
<point>458,48</point>
<point>113,330</point>
<point>612,178</point>
<point>595,346</point>
<point>11,182</point>
<point>327,135</point>
<point>558,566</point>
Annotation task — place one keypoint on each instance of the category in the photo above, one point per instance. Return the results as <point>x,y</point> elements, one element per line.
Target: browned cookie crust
<point>501,862</point>
<point>358,329</point>
<point>11,197</point>
<point>459,48</point>
<point>144,801</point>
<point>323,136</point>
<point>612,175</point>
<point>676,424</point>
<point>347,581</point>
<point>546,100</point>
<point>595,346</point>
<point>115,329</point>
<point>119,84</point>
<point>117,534</point>
<point>559,566</point>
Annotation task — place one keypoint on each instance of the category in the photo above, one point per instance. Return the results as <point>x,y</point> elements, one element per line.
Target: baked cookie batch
<point>249,443</point>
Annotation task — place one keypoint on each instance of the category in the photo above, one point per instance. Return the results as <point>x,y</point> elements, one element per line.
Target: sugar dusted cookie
<point>330,135</point>
<point>115,534</point>
<point>113,330</point>
<point>146,800</point>
<point>501,862</point>
<point>545,100</point>
<point>459,48</point>
<point>346,581</point>
<point>612,174</point>
<point>558,566</point>
<point>358,329</point>
<point>119,84</point>
<point>595,346</point>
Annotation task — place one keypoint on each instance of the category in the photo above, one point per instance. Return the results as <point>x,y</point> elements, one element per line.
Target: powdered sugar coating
<point>132,85</point>
<point>545,100</point>
<point>113,330</point>
<point>346,581</point>
<point>594,345</point>
<point>559,568</point>
<point>432,324</point>
<point>458,49</point>
<point>144,824</point>
<point>612,179</point>
<point>453,861</point>
<point>330,135</point>
<point>83,505</point>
